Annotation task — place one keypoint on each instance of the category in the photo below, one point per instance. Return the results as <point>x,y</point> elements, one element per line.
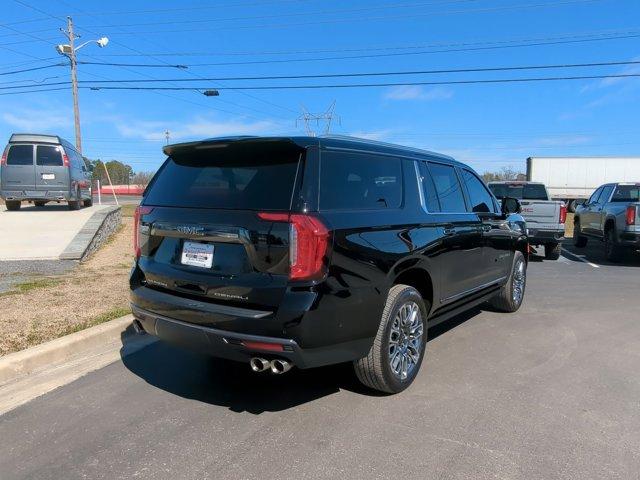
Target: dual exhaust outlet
<point>277,366</point>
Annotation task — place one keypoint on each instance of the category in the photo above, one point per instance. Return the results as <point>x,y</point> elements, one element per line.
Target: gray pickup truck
<point>545,218</point>
<point>611,215</point>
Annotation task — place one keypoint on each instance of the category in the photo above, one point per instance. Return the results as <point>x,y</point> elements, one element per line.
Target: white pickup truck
<point>545,218</point>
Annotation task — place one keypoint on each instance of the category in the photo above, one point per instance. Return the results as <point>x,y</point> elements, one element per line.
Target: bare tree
<point>505,173</point>
<point>142,178</point>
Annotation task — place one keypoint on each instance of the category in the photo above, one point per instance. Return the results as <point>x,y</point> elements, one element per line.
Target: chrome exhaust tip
<point>258,364</point>
<point>278,367</point>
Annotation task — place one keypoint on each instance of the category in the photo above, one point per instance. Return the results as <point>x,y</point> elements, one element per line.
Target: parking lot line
<point>573,255</point>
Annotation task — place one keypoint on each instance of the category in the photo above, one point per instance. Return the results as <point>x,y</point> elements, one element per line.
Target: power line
<point>293,14</point>
<point>597,34</point>
<point>392,73</point>
<point>395,54</point>
<point>360,85</point>
<point>94,83</point>
<point>361,18</point>
<point>33,69</point>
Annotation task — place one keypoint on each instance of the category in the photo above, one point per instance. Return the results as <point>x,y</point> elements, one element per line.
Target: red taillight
<point>140,210</point>
<point>3,160</point>
<point>563,214</point>
<point>65,160</point>
<point>308,243</point>
<point>631,215</point>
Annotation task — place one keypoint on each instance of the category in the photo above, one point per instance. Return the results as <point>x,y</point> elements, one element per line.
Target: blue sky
<point>487,126</point>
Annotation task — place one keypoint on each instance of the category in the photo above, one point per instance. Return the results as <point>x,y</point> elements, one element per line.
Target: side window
<point>606,194</point>
<point>480,198</point>
<point>594,196</point>
<point>448,188</point>
<point>359,181</point>
<point>428,189</point>
<point>20,155</point>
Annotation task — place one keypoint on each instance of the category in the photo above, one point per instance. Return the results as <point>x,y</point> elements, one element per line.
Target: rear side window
<point>49,156</point>
<point>235,178</point>
<point>626,193</point>
<point>448,188</point>
<point>20,155</point>
<point>360,181</point>
<point>606,193</point>
<point>429,189</point>
<point>520,191</point>
<point>479,196</point>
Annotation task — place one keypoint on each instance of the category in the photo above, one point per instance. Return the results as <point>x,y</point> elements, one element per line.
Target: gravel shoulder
<point>58,298</point>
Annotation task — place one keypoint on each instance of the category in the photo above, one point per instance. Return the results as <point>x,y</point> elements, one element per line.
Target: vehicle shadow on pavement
<point>62,207</point>
<point>594,253</point>
<point>233,385</point>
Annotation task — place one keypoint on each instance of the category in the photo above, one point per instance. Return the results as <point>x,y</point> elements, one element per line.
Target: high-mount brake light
<point>563,214</point>
<point>308,243</point>
<point>139,212</point>
<point>631,214</point>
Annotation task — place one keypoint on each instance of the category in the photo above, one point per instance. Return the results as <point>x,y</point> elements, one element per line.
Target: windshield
<point>521,191</point>
<point>626,193</point>
<point>233,178</point>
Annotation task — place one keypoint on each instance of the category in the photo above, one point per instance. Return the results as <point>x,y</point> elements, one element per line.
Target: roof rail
<point>385,144</point>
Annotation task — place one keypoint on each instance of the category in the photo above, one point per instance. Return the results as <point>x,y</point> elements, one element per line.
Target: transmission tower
<point>321,121</point>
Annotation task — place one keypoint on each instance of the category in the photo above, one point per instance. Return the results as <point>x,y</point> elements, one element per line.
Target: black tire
<point>76,204</point>
<point>39,203</point>
<point>505,300</point>
<point>552,251</point>
<point>13,205</point>
<point>572,205</point>
<point>375,370</point>
<point>579,240</point>
<point>88,202</point>
<point>612,251</point>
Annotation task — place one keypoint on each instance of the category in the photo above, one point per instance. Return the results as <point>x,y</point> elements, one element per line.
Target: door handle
<point>448,231</point>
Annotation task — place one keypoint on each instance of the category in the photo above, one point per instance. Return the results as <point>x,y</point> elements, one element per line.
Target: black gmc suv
<point>304,251</point>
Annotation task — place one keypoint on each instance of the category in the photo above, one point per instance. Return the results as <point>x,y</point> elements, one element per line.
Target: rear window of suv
<point>234,178</point>
<point>521,191</point>
<point>49,156</point>
<point>20,155</point>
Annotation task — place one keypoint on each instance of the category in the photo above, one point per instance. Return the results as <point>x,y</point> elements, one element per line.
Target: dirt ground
<point>48,307</point>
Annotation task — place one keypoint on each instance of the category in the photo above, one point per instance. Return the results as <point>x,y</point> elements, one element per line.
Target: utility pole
<point>69,50</point>
<point>74,83</point>
<point>166,135</point>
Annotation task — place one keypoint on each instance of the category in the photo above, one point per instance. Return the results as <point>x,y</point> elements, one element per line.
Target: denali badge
<point>190,230</point>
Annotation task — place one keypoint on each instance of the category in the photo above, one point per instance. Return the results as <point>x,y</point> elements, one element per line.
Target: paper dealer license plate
<point>197,254</point>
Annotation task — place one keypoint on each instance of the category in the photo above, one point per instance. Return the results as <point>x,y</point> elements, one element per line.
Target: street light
<point>69,50</point>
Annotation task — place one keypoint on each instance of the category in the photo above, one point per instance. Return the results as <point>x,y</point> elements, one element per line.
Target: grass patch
<point>30,285</point>
<point>102,318</point>
<point>128,209</point>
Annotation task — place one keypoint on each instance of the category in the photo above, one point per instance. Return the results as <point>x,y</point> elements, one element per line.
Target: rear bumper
<point>538,236</point>
<point>630,238</point>
<point>27,195</point>
<point>221,331</point>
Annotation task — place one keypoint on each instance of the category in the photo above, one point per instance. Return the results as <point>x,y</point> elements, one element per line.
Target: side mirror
<point>510,205</point>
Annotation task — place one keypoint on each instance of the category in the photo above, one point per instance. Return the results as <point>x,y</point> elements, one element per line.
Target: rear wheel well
<point>609,224</point>
<point>420,280</point>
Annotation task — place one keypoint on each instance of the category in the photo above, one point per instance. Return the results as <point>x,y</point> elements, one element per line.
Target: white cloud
<point>38,121</point>
<point>416,92</point>
<point>197,128</point>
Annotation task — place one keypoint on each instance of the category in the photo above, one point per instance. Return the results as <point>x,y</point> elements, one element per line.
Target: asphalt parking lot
<point>551,391</point>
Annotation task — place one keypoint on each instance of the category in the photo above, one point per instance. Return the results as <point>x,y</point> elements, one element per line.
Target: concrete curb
<point>93,234</point>
<point>60,350</point>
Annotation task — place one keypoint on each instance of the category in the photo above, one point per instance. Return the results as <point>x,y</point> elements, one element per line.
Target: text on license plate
<point>48,176</point>
<point>197,254</point>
